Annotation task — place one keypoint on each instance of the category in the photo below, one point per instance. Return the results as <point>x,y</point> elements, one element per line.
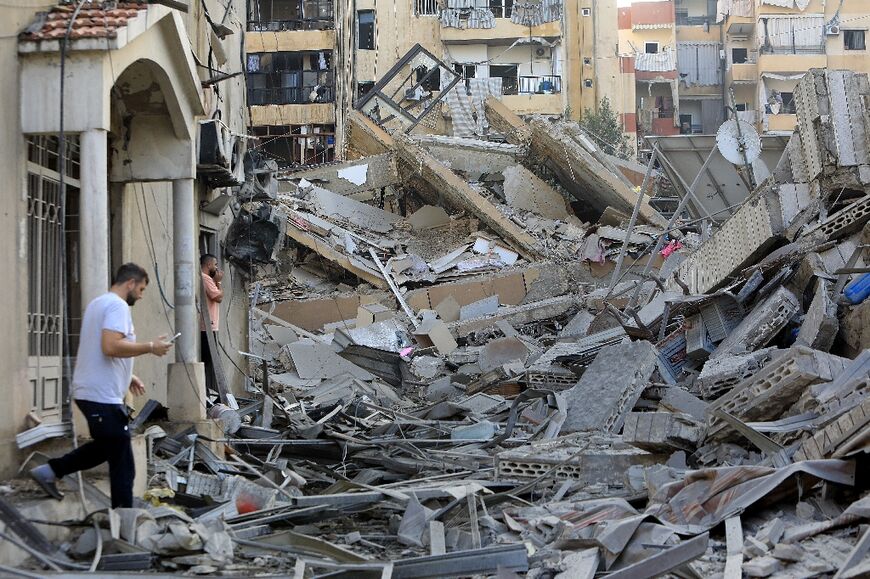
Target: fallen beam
<point>665,561</point>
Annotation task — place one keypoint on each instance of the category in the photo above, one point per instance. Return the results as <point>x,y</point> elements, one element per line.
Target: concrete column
<point>94,215</point>
<point>184,233</point>
<point>186,377</point>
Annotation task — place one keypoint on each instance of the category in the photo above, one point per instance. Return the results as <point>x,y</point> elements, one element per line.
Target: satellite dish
<point>738,142</point>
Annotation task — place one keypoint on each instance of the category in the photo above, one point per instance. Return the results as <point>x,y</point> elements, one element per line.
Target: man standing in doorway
<point>214,295</point>
<point>103,373</point>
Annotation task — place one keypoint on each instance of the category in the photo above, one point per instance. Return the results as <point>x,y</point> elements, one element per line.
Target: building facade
<point>308,61</point>
<point>119,91</point>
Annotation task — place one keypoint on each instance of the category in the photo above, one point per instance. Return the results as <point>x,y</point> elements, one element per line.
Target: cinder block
<point>610,387</point>
<point>720,375</point>
<point>761,325</point>
<point>820,325</point>
<point>769,393</point>
<point>827,441</point>
<point>844,221</point>
<point>662,431</point>
<point>742,238</point>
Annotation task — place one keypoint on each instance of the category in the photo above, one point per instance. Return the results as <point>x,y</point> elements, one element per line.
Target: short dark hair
<point>205,257</point>
<point>130,271</point>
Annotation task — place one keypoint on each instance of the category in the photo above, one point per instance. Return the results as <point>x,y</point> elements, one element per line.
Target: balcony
<point>534,103</point>
<point>290,25</point>
<point>746,72</point>
<point>290,95</point>
<point>504,30</point>
<point>778,62</point>
<point>290,40</point>
<point>547,84</point>
<point>781,123</point>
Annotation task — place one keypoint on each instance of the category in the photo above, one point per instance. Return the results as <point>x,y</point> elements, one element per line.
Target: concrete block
<point>525,190</point>
<point>820,324</point>
<point>578,325</point>
<point>434,332</point>
<point>739,241</point>
<point>602,461</point>
<point>845,221</point>
<point>718,376</point>
<point>793,197</point>
<point>769,393</point>
<point>761,567</point>
<point>610,387</point>
<point>501,351</point>
<point>761,325</point>
<point>662,431</point>
<point>678,400</point>
<point>368,314</point>
<point>788,552</point>
<point>771,532</point>
<point>832,437</point>
<point>480,308</point>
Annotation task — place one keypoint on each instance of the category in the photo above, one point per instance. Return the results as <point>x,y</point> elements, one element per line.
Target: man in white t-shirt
<point>103,373</point>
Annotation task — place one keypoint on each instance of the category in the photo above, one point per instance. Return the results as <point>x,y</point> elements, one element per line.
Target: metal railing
<point>685,20</point>
<point>290,95</point>
<point>794,49</point>
<point>545,84</point>
<point>284,25</point>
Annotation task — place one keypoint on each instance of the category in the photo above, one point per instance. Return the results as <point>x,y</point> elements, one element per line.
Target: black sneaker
<point>49,486</point>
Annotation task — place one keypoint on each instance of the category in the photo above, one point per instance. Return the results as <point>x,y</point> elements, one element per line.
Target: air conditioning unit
<point>832,29</point>
<point>220,155</point>
<point>542,52</point>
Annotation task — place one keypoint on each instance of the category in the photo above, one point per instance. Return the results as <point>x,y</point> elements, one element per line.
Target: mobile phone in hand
<point>173,338</point>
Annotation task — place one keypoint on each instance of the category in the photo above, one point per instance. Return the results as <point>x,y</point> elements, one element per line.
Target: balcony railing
<point>684,20</point>
<point>290,96</point>
<point>283,25</point>
<point>546,84</point>
<point>794,49</point>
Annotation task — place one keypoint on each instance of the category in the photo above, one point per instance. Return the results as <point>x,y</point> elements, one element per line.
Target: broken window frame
<point>394,108</point>
<point>312,15</point>
<point>287,84</point>
<point>272,137</point>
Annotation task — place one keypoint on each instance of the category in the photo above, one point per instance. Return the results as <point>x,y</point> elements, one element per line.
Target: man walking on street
<point>214,295</point>
<point>103,373</point>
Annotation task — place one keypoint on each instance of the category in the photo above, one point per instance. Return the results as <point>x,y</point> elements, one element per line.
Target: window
<point>508,73</point>
<point>279,78</point>
<point>363,88</point>
<point>297,145</point>
<point>426,7</point>
<point>275,15</point>
<point>651,47</point>
<point>854,40</point>
<point>430,79</point>
<point>741,107</point>
<point>788,104</point>
<point>739,55</point>
<point>501,8</point>
<point>586,11</point>
<point>685,124</point>
<point>465,71</point>
<point>365,22</point>
<point>587,61</point>
<point>587,83</point>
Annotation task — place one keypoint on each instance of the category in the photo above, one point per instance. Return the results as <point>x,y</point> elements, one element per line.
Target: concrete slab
<point>524,190</point>
<point>610,387</point>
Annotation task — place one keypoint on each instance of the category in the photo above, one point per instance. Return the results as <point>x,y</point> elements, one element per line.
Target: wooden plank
<point>734,543</point>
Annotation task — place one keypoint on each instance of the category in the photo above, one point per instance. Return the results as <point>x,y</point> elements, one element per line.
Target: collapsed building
<point>498,358</point>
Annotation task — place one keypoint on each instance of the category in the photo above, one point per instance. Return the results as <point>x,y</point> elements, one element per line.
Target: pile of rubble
<point>453,375</point>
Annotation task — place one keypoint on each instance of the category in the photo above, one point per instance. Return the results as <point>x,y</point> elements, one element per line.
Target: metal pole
<point>184,229</point>
<point>633,220</point>
<point>661,238</point>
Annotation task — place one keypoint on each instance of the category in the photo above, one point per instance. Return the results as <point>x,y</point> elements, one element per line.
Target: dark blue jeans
<point>108,424</point>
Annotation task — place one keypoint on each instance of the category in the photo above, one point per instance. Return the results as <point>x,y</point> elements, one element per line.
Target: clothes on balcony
<point>742,8</point>
<point>467,18</point>
<point>792,33</point>
<point>536,12</point>
<point>799,4</point>
<point>466,105</point>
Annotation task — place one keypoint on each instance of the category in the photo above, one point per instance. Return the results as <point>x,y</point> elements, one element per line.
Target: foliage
<point>604,128</point>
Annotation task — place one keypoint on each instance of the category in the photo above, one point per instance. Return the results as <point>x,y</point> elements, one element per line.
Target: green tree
<point>604,128</point>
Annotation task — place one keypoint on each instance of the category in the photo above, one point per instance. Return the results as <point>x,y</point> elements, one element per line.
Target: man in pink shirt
<point>214,294</point>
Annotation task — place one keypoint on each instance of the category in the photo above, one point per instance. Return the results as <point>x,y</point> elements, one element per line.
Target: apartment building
<point>138,80</point>
<point>770,44</point>
<point>671,66</point>
<point>308,61</point>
